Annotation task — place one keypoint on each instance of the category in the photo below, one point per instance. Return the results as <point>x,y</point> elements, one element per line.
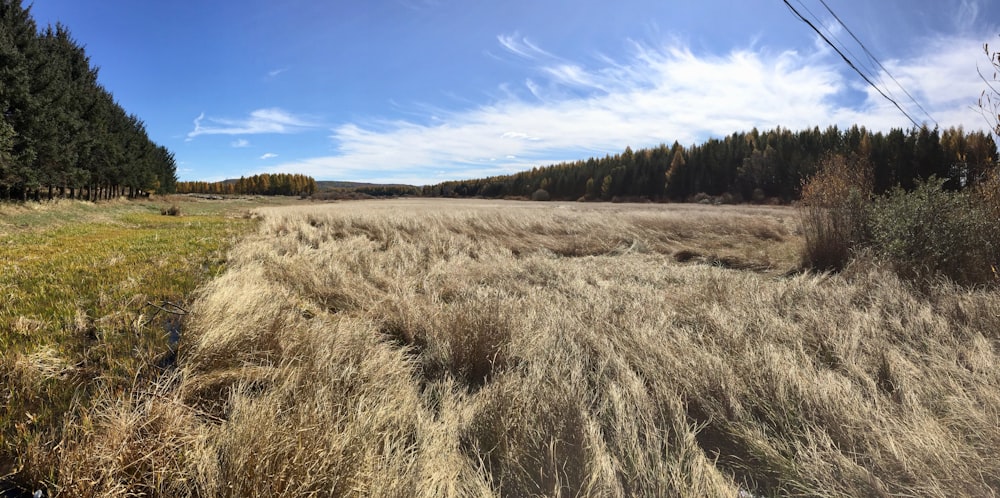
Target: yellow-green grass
<point>75,280</point>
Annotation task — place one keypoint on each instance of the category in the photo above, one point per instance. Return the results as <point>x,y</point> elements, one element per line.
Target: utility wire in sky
<point>870,71</point>
<point>863,64</point>
<point>850,62</point>
<point>876,61</point>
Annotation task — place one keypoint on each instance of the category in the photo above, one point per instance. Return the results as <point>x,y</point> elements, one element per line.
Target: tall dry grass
<point>457,349</point>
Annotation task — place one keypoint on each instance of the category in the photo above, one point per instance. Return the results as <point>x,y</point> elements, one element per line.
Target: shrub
<point>173,210</point>
<point>834,210</point>
<point>931,233</point>
<point>541,195</point>
<point>700,198</point>
<point>987,192</point>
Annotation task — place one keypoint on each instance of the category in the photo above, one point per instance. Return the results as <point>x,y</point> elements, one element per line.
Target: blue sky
<point>421,91</point>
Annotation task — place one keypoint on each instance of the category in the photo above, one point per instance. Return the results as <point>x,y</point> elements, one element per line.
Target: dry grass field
<point>463,348</point>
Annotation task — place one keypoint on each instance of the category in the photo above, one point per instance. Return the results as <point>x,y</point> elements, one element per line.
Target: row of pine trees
<point>61,132</point>
<point>748,166</point>
<point>263,184</point>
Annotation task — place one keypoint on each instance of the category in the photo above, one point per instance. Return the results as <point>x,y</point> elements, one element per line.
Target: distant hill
<point>327,185</point>
<point>285,184</point>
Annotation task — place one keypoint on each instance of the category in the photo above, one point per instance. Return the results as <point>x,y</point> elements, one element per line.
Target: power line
<point>870,70</point>
<point>879,64</point>
<point>843,45</point>
<point>850,63</point>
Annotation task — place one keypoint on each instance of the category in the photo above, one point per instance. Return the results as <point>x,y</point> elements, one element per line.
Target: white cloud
<point>269,155</point>
<point>272,120</point>
<point>240,143</point>
<point>516,135</point>
<point>659,95</point>
<point>275,72</point>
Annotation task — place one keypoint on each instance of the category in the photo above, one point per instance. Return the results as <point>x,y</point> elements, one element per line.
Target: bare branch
<point>174,308</point>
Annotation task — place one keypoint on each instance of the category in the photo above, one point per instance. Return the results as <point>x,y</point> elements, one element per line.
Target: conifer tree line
<point>62,133</point>
<point>749,166</point>
<point>263,184</point>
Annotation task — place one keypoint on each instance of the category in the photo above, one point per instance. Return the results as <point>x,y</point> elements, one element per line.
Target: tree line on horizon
<point>62,133</point>
<point>263,184</point>
<point>748,166</point>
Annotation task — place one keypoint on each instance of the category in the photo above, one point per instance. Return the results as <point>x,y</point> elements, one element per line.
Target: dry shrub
<point>835,211</point>
<point>987,191</point>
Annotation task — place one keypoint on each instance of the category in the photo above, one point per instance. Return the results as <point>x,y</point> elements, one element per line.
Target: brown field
<point>462,348</point>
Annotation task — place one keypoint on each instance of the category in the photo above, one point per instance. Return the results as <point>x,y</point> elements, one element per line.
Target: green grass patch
<point>75,280</point>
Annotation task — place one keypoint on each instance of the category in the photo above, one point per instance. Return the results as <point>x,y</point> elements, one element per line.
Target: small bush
<point>931,232</point>
<point>173,210</point>
<point>541,195</point>
<point>835,204</point>
<point>700,198</point>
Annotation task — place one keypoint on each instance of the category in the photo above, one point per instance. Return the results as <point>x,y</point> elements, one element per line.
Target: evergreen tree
<point>60,129</point>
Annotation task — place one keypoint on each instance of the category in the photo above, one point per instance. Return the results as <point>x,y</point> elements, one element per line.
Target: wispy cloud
<point>660,94</point>
<point>966,15</point>
<point>522,46</point>
<point>269,155</point>
<point>240,143</point>
<point>272,120</point>
<point>275,72</point>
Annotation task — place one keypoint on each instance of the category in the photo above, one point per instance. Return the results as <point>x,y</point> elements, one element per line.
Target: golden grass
<point>430,348</point>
